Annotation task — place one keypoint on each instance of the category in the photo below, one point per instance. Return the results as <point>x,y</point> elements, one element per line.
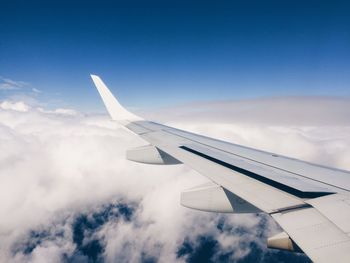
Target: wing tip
<point>94,77</point>
<point>115,109</point>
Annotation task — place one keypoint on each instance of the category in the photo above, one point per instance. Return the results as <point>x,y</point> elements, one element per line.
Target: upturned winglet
<point>114,108</point>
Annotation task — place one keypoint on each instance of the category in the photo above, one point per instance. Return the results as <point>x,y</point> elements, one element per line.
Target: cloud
<point>68,194</point>
<point>16,106</point>
<point>287,111</point>
<point>9,84</point>
<point>62,111</point>
<point>36,90</point>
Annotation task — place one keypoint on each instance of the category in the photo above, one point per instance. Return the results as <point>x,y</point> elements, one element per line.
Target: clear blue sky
<point>158,53</point>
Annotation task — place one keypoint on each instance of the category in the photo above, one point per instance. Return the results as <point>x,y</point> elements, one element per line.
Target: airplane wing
<point>310,202</point>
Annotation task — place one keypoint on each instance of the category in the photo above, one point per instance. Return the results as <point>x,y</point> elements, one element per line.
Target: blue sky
<point>159,53</point>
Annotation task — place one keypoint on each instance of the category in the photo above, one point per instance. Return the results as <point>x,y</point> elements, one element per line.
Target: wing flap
<point>336,208</point>
<point>318,237</point>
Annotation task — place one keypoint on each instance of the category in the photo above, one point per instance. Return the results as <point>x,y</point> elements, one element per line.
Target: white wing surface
<point>310,202</point>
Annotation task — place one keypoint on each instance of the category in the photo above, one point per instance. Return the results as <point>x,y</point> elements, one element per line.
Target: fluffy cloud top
<point>68,194</point>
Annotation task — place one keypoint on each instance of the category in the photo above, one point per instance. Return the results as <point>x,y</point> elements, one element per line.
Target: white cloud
<point>16,106</point>
<point>36,90</point>
<point>62,111</point>
<point>9,84</point>
<point>57,164</point>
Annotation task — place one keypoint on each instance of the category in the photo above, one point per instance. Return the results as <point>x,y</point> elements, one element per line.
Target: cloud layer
<point>68,194</point>
<point>287,111</point>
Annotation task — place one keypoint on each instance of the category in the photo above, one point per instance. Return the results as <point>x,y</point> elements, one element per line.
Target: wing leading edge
<point>300,196</point>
